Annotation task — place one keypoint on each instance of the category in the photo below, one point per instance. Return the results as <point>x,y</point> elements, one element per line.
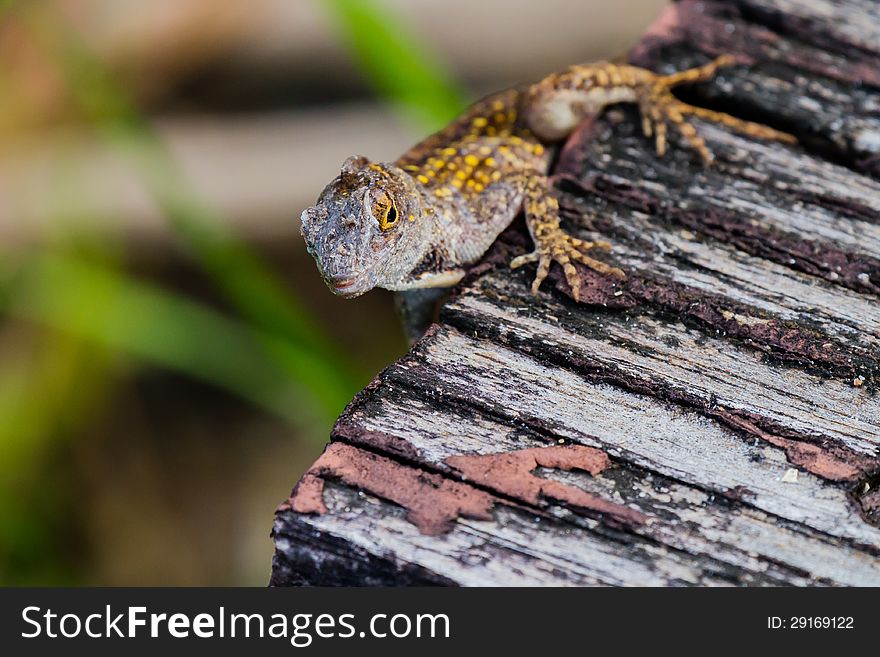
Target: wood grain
<point>710,420</point>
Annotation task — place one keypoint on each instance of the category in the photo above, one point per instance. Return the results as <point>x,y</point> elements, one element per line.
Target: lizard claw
<point>564,249</point>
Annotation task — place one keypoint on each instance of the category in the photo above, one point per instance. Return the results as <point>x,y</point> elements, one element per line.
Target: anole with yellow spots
<point>420,221</point>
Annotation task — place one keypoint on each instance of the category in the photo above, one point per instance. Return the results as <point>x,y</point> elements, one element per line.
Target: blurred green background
<point>170,361</point>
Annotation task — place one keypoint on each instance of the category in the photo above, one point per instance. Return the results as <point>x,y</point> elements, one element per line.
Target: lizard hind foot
<point>565,250</point>
<point>660,108</point>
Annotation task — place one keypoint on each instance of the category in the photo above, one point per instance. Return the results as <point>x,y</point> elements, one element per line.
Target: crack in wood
<point>855,271</point>
<point>820,455</point>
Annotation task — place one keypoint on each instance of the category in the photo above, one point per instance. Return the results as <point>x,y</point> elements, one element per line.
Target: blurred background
<point>170,361</point>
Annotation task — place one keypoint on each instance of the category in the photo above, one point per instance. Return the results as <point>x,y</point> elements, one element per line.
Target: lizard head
<point>366,230</point>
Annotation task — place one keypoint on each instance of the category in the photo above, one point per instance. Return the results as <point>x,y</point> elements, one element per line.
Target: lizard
<point>419,221</point>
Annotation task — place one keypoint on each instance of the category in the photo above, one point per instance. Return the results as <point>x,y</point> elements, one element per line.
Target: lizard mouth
<point>342,286</point>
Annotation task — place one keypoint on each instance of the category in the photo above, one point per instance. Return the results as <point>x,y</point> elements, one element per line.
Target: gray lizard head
<point>367,229</point>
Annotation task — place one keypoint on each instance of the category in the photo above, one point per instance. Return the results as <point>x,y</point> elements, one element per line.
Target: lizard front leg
<point>552,244</point>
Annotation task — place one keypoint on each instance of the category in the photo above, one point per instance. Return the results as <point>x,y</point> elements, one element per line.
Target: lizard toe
<point>544,262</point>
<point>599,266</point>
<point>524,259</point>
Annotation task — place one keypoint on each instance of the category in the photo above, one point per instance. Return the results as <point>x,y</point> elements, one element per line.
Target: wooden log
<point>710,420</point>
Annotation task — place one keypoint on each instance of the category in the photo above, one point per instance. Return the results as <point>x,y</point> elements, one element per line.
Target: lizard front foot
<point>560,247</point>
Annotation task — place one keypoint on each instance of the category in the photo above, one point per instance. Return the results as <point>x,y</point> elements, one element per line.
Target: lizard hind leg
<point>552,244</point>
<point>659,107</point>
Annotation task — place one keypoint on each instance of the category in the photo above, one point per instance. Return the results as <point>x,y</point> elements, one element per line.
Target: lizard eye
<point>389,216</point>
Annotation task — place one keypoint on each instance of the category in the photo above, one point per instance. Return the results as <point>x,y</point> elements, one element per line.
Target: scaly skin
<point>419,221</point>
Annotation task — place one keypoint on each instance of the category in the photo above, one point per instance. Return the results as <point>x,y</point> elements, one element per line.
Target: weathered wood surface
<point>710,420</point>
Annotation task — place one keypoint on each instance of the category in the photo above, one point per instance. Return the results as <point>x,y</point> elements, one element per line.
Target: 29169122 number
<point>810,623</point>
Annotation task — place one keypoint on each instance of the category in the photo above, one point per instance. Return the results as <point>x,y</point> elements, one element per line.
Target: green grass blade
<point>248,283</point>
<point>101,305</point>
<point>397,63</point>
